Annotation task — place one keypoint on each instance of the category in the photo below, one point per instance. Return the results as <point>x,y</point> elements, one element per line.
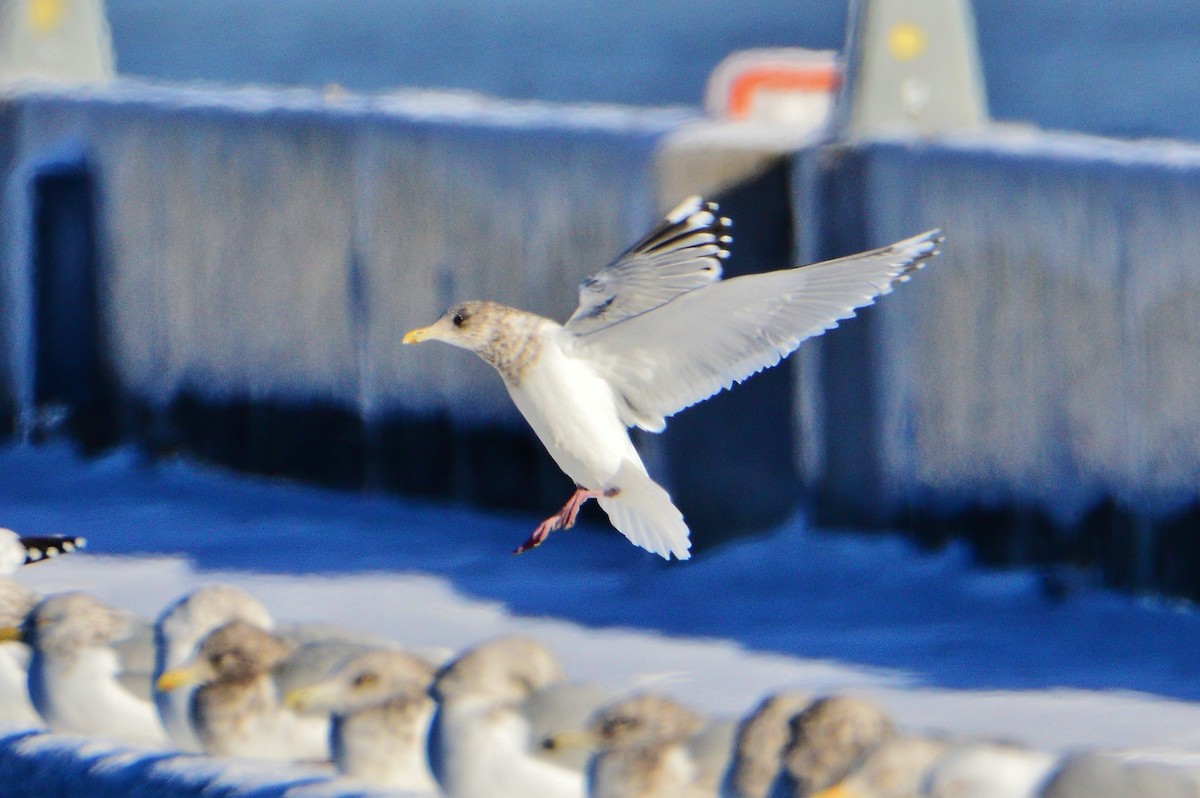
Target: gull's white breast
<point>81,695</point>
<point>574,413</point>
<point>15,707</point>
<point>479,750</point>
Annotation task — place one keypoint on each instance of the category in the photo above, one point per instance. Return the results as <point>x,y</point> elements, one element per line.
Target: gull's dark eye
<point>365,679</point>
<point>458,319</point>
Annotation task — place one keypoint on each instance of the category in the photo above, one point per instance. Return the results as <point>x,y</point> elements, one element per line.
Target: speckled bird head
<point>365,681</point>
<point>240,651</point>
<point>643,720</point>
<point>182,625</point>
<point>503,671</point>
<point>760,741</point>
<point>503,336</point>
<point>66,623</point>
<point>830,738</point>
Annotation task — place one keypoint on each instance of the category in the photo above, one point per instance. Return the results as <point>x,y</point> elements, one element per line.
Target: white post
<point>911,66</point>
<point>60,40</point>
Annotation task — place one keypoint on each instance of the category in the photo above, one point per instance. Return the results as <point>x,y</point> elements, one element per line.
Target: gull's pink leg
<point>564,518</point>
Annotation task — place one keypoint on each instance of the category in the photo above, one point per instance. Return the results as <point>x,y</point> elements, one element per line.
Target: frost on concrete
<point>275,245</point>
<point>1047,358</point>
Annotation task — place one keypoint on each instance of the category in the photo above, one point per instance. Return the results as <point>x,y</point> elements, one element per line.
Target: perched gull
<point>496,703</point>
<point>16,602</point>
<point>1092,775</point>
<point>177,633</point>
<point>656,331</point>
<point>649,746</point>
<point>236,711</point>
<point>381,711</point>
<point>16,551</point>
<point>990,770</point>
<point>759,745</point>
<point>847,746</point>
<point>76,678</point>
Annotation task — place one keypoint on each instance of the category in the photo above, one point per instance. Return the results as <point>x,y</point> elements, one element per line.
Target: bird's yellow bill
<point>570,740</point>
<point>298,699</point>
<point>836,791</point>
<point>416,336</point>
<point>175,678</point>
<point>11,633</point>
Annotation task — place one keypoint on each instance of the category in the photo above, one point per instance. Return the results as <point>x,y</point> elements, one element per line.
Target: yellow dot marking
<point>45,16</point>
<point>906,41</point>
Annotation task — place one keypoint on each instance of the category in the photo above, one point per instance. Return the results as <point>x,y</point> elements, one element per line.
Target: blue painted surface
<point>1098,66</point>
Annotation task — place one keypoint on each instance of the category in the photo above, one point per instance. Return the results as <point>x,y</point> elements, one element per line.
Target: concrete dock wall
<point>261,255</point>
<point>1037,387</point>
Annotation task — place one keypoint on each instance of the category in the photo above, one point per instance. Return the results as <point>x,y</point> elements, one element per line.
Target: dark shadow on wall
<point>730,460</point>
<point>73,387</point>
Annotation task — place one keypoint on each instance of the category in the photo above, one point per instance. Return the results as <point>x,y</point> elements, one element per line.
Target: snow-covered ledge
<point>37,764</point>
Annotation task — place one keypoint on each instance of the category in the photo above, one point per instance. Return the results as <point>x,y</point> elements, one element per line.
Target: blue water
<point>1099,66</point>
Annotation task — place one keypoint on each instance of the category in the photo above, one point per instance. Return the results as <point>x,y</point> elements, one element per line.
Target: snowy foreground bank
<point>944,647</point>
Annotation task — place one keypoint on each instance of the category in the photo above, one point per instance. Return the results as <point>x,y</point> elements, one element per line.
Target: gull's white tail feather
<point>643,512</point>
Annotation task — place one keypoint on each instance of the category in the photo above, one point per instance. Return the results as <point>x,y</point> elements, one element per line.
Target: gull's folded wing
<point>683,252</point>
<point>704,340</point>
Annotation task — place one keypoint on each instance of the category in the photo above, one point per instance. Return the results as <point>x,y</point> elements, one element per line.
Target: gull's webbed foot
<point>564,518</point>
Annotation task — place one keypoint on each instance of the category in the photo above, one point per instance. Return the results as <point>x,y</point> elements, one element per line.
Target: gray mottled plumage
<point>759,745</point>
<point>380,704</point>
<point>829,739</point>
<point>177,633</point>
<point>644,751</point>
<point>237,710</point>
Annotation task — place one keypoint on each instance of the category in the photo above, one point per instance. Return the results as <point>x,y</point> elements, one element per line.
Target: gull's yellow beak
<point>298,699</point>
<point>571,740</point>
<point>176,678</point>
<point>836,791</point>
<point>416,336</point>
<point>10,634</point>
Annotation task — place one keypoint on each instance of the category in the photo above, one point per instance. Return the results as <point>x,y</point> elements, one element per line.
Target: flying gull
<point>657,331</point>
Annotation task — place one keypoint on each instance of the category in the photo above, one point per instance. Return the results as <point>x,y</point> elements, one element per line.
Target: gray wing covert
<point>681,253</point>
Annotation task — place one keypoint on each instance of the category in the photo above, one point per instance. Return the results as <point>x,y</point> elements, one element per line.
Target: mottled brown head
<point>469,325</point>
<point>239,651</point>
<point>65,623</point>
<point>643,720</point>
<point>365,681</point>
<point>504,671</point>
<point>761,739</point>
<point>830,739</point>
<point>504,337</point>
<point>235,652</point>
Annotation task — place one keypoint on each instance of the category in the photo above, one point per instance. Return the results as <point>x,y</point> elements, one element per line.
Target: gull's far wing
<point>680,353</point>
<point>683,252</point>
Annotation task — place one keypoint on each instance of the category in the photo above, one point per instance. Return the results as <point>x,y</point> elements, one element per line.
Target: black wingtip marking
<point>673,228</point>
<point>46,547</point>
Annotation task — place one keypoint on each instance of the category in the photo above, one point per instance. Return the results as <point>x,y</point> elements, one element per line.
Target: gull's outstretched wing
<point>703,341</point>
<point>683,252</point>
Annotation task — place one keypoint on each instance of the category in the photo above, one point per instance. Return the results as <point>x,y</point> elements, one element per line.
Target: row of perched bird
<point>215,674</point>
